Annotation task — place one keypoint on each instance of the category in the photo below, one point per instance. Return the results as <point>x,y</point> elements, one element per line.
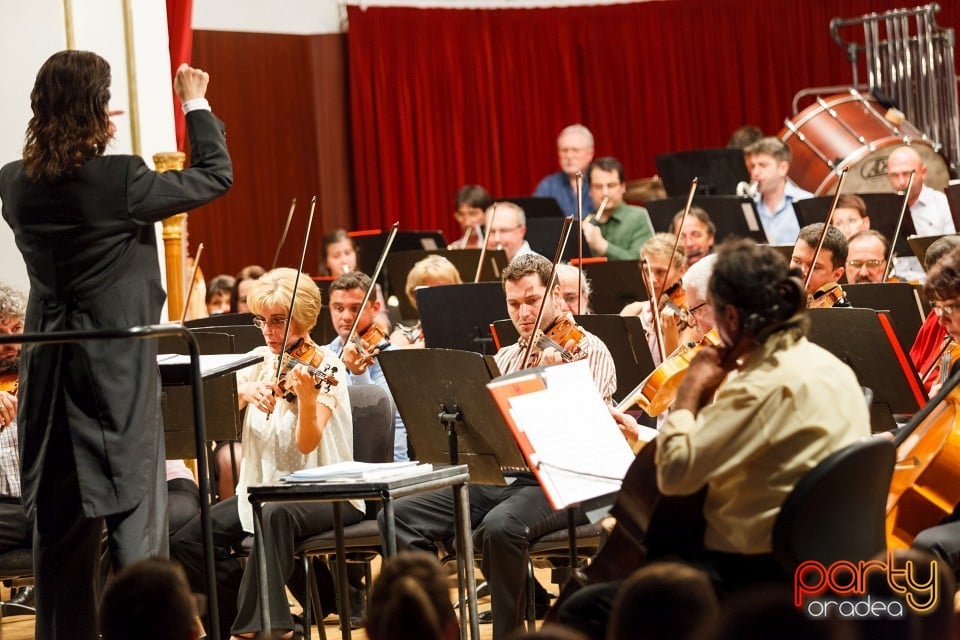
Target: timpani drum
<point>852,131</point>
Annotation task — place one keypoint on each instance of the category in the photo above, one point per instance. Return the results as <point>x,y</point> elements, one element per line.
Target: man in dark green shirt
<point>620,229</point>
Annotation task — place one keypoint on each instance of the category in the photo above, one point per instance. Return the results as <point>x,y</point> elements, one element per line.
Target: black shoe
<point>485,617</point>
<point>24,597</point>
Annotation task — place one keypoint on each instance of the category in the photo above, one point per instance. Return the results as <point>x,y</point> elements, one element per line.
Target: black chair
<point>16,570</point>
<point>837,510</point>
<point>373,426</point>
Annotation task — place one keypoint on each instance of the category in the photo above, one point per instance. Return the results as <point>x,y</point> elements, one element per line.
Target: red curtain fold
<point>180,34</point>
<point>446,97</point>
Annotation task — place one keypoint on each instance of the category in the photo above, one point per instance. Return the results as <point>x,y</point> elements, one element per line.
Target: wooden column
<point>174,241</point>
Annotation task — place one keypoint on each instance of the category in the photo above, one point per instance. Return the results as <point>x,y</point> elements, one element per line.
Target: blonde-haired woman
<point>432,271</point>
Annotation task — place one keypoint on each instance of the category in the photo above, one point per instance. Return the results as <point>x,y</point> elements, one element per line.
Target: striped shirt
<point>9,462</point>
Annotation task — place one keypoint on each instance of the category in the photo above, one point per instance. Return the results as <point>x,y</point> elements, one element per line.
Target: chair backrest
<point>373,423</point>
<point>837,510</point>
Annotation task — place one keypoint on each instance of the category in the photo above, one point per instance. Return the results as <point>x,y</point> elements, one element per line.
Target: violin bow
<point>373,285</point>
<point>486,237</point>
<point>579,235</point>
<point>283,236</point>
<point>823,233</point>
<point>676,242</point>
<point>193,283</point>
<point>293,296</point>
<point>547,294</point>
<point>896,232</point>
<point>647,277</point>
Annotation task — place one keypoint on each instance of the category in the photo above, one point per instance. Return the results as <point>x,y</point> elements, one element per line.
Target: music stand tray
<point>543,234</point>
<point>883,210</point>
<point>864,339</point>
<point>920,244</point>
<point>734,217</point>
<point>441,390</point>
<point>615,285</point>
<point>900,299</point>
<point>370,245</point>
<point>458,316</point>
<point>718,171</point>
<point>537,207</point>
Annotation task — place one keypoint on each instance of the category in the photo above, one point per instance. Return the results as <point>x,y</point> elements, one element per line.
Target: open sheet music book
<point>565,431</point>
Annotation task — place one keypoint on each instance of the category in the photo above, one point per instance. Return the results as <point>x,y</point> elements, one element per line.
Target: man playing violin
<point>503,517</point>
<point>830,261</point>
<point>867,256</point>
<point>280,435</point>
<point>747,437</point>
<point>360,355</point>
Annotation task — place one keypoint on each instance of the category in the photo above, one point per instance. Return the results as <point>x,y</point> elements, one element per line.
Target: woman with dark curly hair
<point>89,414</point>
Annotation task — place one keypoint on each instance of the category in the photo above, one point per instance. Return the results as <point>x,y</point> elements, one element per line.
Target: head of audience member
<point>507,229</point>
<point>13,307</point>
<point>830,261</point>
<point>219,292</point>
<point>149,600</point>
<point>660,264</point>
<point>339,254</point>
<point>926,569</point>
<point>607,181</point>
<point>943,291</point>
<point>471,201</point>
<point>410,600</point>
<point>525,285</point>
<point>902,162</point>
<point>345,297</point>
<point>241,287</point>
<point>697,234</point>
<point>744,136</point>
<point>574,288</point>
<point>71,120</point>
<point>696,284</point>
<point>550,631</point>
<point>767,612</point>
<point>867,256</point>
<point>674,600</point>
<point>768,161</point>
<point>752,291</point>
<point>850,216</point>
<point>432,271</point>
<point>269,300</point>
<point>574,150</point>
<point>938,249</point>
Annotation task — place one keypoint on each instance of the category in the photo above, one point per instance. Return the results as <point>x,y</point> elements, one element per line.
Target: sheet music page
<point>579,451</point>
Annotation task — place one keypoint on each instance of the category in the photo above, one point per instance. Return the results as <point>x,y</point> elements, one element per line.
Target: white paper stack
<point>353,471</point>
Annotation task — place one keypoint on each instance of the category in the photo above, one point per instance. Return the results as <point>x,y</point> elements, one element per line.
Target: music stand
<point>614,285</point>
<point>953,199</point>
<point>450,416</point>
<point>536,207</point>
<point>882,208</point>
<point>220,320</point>
<point>899,299</point>
<point>399,264</point>
<point>919,245</point>
<point>543,234</point>
<point>718,171</point>
<point>733,217</point>
<point>458,316</point>
<point>864,339</point>
<point>370,244</point>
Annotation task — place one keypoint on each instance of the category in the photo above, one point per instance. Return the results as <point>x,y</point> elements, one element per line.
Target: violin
<point>828,295</point>
<point>675,299</point>
<point>659,389</point>
<point>372,338</point>
<point>310,356</point>
<point>10,381</point>
<point>560,334</point>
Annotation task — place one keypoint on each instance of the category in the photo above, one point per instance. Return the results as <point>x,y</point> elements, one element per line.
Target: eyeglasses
<point>948,309</point>
<point>494,232</point>
<point>869,264</point>
<point>696,308</point>
<point>274,323</point>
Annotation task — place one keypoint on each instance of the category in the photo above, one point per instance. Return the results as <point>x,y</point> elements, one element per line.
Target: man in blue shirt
<point>575,152</point>
<point>768,161</point>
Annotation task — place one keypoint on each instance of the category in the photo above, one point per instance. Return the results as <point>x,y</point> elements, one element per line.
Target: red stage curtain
<point>180,32</point>
<point>445,97</point>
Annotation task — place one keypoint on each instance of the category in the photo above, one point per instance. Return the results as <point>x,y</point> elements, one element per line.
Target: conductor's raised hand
<point>190,83</point>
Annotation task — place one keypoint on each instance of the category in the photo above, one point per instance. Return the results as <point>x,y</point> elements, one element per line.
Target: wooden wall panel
<point>284,101</point>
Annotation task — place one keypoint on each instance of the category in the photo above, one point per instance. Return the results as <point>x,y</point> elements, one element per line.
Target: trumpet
<point>747,189</point>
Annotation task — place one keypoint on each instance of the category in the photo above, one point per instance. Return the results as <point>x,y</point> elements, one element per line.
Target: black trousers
<point>501,518</point>
<point>238,594</point>
<point>16,532</point>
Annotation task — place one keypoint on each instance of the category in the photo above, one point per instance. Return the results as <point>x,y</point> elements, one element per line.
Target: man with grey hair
<point>696,284</point>
<point>768,161</point>
<point>508,229</point>
<point>575,289</point>
<point>574,152</point>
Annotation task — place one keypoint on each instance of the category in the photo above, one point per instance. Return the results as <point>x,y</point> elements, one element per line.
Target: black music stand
<point>733,217</point>
<point>450,416</point>
<point>614,285</point>
<point>899,299</point>
<point>399,264</point>
<point>718,171</point>
<point>864,339</point>
<point>883,210</point>
<point>919,245</point>
<point>370,245</point>
<point>458,316</point>
<point>953,199</point>
<point>623,336</point>
<point>221,320</point>
<point>536,207</point>
<point>323,332</point>
<point>543,234</point>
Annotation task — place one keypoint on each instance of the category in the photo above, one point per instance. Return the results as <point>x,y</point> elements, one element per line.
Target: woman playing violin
<point>749,437</point>
<point>279,436</point>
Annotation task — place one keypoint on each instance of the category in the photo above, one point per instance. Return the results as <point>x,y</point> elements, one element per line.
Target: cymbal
<point>645,189</point>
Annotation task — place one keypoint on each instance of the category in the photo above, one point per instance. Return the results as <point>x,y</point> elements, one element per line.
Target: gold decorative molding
<point>174,240</point>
